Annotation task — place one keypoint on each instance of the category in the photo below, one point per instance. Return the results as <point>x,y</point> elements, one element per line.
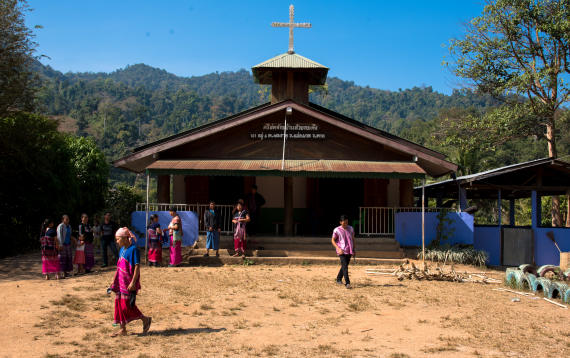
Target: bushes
<point>121,201</point>
<point>44,173</point>
<point>466,255</point>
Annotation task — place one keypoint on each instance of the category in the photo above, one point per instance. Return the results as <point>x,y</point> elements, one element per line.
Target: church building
<point>310,163</point>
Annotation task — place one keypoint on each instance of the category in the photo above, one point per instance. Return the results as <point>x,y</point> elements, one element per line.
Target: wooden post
<point>146,217</point>
<point>568,208</point>
<point>288,221</point>
<point>423,221</point>
<point>534,209</point>
<point>500,209</point>
<point>512,212</point>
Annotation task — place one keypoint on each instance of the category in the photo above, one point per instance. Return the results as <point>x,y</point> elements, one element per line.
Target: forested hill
<point>139,103</point>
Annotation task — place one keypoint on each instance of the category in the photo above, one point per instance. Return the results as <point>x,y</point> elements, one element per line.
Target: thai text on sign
<point>306,131</point>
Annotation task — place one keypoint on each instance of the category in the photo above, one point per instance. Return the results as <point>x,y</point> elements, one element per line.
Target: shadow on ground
<point>183,331</point>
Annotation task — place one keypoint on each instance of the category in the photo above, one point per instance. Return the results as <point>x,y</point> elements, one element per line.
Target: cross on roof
<point>291,25</point>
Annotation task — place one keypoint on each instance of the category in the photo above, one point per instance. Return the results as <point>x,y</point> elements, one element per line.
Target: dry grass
<point>252,310</point>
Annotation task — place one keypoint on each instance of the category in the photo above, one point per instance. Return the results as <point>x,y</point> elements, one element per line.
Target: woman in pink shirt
<point>343,242</point>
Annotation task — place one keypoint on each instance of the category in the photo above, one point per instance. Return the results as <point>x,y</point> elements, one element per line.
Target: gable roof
<point>432,162</point>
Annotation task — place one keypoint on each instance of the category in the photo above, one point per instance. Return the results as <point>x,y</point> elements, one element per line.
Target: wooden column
<point>534,211</point>
<point>163,189</point>
<point>500,209</point>
<point>512,212</point>
<point>568,208</point>
<point>288,221</point>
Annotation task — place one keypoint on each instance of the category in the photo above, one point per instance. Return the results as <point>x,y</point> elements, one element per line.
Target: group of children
<point>57,247</point>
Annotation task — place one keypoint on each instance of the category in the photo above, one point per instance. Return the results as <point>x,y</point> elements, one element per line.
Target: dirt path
<point>273,311</point>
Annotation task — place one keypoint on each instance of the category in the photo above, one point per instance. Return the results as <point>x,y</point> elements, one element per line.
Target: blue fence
<point>189,225</point>
<point>408,232</point>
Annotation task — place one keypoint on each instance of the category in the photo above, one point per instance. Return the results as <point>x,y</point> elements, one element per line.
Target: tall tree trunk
<point>552,153</point>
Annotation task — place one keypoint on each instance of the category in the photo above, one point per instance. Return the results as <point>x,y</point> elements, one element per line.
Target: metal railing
<point>224,210</point>
<point>380,221</point>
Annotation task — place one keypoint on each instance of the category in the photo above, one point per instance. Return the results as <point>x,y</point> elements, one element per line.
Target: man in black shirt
<point>253,202</point>
<point>108,230</point>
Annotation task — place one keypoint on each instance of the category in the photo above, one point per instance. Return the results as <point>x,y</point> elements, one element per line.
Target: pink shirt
<point>343,238</point>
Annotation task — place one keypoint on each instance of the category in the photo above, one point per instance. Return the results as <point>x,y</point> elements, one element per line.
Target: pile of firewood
<point>411,272</point>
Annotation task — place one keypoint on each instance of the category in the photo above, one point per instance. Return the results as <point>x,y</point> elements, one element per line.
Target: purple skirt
<point>66,258</point>
<point>89,256</point>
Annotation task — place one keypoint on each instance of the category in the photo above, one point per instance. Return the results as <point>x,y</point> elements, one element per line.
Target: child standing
<point>154,242</point>
<point>126,283</point>
<point>79,259</point>
<point>50,246</point>
<point>343,242</point>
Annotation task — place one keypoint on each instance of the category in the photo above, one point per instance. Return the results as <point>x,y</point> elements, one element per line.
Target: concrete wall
<point>545,253</point>
<point>272,190</point>
<point>488,238</point>
<point>408,230</point>
<point>393,192</point>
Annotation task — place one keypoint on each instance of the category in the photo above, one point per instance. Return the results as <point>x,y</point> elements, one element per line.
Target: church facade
<point>311,164</point>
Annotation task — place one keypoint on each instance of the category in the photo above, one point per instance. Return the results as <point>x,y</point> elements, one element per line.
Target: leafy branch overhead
<point>519,51</point>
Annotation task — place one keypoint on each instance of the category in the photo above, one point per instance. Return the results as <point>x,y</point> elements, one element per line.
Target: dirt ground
<point>259,311</point>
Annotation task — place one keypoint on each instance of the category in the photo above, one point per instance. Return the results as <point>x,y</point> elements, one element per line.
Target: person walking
<point>108,229</point>
<point>126,284</point>
<point>253,202</point>
<point>343,242</point>
<point>212,224</point>
<point>86,231</point>
<point>50,246</point>
<point>65,240</point>
<point>175,230</point>
<point>240,220</point>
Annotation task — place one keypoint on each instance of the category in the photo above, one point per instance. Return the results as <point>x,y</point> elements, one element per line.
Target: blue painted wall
<point>408,229</point>
<point>488,238</point>
<point>545,253</point>
<point>189,225</point>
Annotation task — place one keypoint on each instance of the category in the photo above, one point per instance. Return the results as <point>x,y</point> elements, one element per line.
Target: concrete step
<point>392,254</point>
<point>309,247</point>
<point>227,260</point>
<point>300,240</point>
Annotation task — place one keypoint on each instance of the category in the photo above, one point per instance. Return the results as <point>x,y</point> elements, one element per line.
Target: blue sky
<point>383,44</point>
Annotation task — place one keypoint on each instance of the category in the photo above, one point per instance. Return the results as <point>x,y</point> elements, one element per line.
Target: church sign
<point>302,131</point>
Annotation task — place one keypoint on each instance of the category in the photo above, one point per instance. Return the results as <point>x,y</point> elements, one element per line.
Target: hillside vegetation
<point>139,104</point>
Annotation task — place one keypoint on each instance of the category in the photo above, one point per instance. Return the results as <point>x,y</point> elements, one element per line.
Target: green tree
<point>91,173</point>
<point>17,79</point>
<point>519,51</point>
<point>35,177</point>
<point>121,201</point>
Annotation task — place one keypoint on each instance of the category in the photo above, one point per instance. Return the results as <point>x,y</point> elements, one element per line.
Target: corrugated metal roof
<point>289,60</point>
<point>341,168</point>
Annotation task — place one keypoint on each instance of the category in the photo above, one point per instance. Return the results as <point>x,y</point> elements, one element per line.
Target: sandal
<point>236,254</point>
<point>146,326</point>
<point>120,332</point>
